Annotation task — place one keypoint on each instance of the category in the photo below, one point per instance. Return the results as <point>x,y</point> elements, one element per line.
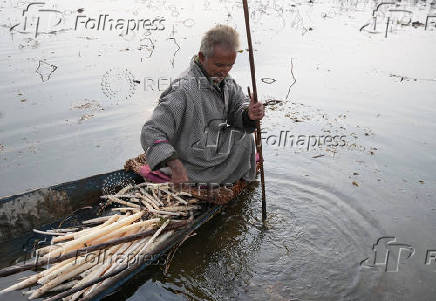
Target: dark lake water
<point>352,220</point>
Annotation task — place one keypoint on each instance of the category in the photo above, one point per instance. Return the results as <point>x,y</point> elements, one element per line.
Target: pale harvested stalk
<point>63,230</point>
<point>117,195</point>
<point>124,270</point>
<point>112,219</point>
<point>75,296</point>
<point>66,298</point>
<point>42,261</point>
<point>65,286</point>
<point>175,196</point>
<point>34,278</point>
<point>48,233</point>
<point>131,252</point>
<point>156,234</point>
<point>150,249</point>
<point>85,273</point>
<point>75,235</point>
<point>182,208</point>
<point>23,284</point>
<point>73,263</point>
<point>99,269</point>
<point>96,220</point>
<point>55,282</point>
<point>80,242</point>
<point>135,200</point>
<point>126,209</point>
<point>113,265</point>
<point>156,198</point>
<point>154,185</point>
<point>148,200</point>
<point>113,199</point>
<point>54,268</point>
<point>124,190</point>
<point>156,201</point>
<point>167,213</point>
<point>148,203</point>
<point>115,274</point>
<point>141,185</point>
<point>47,249</point>
<point>118,233</point>
<point>62,238</point>
<point>86,285</point>
<point>184,193</point>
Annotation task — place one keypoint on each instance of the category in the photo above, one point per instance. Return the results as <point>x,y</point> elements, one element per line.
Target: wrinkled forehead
<point>223,52</point>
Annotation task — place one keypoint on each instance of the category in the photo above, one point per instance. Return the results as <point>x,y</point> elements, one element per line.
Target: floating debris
<point>146,46</point>
<point>294,80</point>
<point>172,60</point>
<point>45,70</point>
<point>28,43</point>
<point>88,105</point>
<point>86,117</point>
<point>189,22</point>
<point>268,80</point>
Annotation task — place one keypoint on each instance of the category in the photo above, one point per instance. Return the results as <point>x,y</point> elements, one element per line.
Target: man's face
<point>219,65</point>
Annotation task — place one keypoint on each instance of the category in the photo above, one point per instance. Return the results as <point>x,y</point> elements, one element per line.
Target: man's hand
<point>256,110</point>
<point>178,172</point>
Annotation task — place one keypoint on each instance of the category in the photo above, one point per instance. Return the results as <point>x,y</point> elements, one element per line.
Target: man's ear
<point>201,57</point>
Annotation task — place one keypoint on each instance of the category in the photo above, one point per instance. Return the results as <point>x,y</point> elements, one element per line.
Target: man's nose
<point>226,70</point>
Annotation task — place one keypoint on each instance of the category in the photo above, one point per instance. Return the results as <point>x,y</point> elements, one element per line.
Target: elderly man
<point>201,128</point>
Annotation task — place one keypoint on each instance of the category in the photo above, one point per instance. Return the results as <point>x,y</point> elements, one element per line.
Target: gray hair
<point>222,35</point>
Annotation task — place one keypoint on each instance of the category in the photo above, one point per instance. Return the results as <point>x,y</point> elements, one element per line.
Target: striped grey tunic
<point>203,127</point>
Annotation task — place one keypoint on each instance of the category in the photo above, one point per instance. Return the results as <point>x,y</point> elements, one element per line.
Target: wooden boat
<point>39,208</point>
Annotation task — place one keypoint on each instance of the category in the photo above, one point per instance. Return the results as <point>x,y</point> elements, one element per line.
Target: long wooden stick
<point>253,82</point>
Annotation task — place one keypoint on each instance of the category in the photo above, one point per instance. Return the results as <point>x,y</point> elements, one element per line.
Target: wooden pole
<point>253,83</point>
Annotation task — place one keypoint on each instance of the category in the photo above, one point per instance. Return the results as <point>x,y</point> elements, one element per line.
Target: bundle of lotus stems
<point>82,261</point>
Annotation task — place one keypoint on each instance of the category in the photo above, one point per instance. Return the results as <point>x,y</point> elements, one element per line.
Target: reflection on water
<point>75,96</point>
